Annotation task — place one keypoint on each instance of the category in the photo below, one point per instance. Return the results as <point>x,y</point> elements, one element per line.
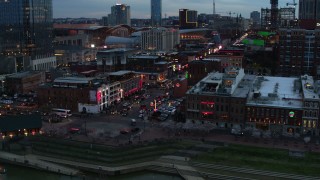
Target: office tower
<point>159,39</point>
<point>285,19</point>
<point>255,16</point>
<point>120,14</point>
<point>309,14</point>
<point>188,19</point>
<point>298,52</point>
<point>156,11</point>
<point>26,34</point>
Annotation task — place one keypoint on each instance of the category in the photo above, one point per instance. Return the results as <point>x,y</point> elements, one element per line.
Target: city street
<point>106,126</point>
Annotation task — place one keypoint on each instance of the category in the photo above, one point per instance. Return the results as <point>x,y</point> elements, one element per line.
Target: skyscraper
<point>255,16</point>
<point>120,14</point>
<point>156,10</point>
<point>26,29</point>
<point>188,19</point>
<point>26,35</point>
<point>159,39</point>
<point>309,9</point>
<point>309,14</point>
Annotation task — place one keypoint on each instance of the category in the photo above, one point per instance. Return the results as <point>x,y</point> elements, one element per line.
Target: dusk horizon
<point>141,8</point>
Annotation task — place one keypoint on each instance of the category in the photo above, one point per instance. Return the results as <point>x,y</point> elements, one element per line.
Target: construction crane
<point>294,4</point>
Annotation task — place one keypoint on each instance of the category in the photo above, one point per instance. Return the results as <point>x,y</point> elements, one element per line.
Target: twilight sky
<point>141,8</point>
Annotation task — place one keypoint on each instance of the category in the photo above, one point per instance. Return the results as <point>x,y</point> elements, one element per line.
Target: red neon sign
<point>207,113</point>
<point>98,96</point>
<point>207,102</point>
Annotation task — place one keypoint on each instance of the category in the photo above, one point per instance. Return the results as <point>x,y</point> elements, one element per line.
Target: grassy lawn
<point>263,159</point>
<point>82,152</point>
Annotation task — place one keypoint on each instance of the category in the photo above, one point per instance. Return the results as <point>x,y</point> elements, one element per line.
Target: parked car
<point>125,114</point>
<point>134,130</point>
<point>125,130</point>
<point>162,118</point>
<point>133,122</point>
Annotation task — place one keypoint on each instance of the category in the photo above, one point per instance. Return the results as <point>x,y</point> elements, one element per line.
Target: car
<point>161,118</point>
<point>125,130</point>
<point>141,115</point>
<point>134,130</point>
<point>133,122</point>
<point>164,115</point>
<point>142,111</point>
<point>125,114</point>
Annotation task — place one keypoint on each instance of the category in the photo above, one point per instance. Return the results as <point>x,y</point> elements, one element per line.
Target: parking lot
<point>117,123</point>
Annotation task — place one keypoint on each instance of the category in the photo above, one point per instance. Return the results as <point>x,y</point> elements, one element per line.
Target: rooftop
<point>116,50</point>
<point>20,122</point>
<point>120,73</point>
<point>231,83</point>
<point>77,80</point>
<point>192,30</point>
<point>161,63</point>
<point>144,57</point>
<point>22,74</point>
<point>275,92</point>
<point>308,87</point>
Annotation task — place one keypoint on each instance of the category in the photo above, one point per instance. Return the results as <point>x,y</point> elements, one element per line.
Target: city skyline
<point>141,8</point>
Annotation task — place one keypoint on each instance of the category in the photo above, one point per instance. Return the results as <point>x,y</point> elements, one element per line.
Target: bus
<point>62,112</point>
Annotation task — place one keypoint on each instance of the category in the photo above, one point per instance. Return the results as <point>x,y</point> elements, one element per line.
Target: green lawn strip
<point>252,157</point>
<point>72,143</point>
<point>123,155</point>
<point>119,156</point>
<point>115,153</point>
<point>98,160</point>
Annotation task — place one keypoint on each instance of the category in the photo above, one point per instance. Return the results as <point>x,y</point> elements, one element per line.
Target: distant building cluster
<point>230,71</point>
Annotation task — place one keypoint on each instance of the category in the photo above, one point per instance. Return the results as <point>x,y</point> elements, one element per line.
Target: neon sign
<point>291,114</point>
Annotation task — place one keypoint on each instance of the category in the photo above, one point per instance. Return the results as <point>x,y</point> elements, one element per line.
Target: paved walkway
<point>34,162</point>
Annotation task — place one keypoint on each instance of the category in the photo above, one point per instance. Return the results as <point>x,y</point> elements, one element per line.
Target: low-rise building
<point>130,82</point>
<point>24,83</point>
<point>277,105</point>
<point>74,92</point>
<point>220,98</point>
<point>151,68</point>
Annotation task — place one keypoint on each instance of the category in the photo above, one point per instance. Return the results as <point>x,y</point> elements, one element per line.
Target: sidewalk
<point>34,162</point>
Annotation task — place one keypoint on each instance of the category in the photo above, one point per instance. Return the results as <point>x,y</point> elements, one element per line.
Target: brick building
<point>276,105</point>
<point>24,83</point>
<point>217,99</point>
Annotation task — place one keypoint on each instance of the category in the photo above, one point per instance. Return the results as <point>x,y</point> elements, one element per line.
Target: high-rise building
<point>285,19</point>
<point>309,9</point>
<point>26,35</point>
<point>299,52</point>
<point>255,16</point>
<point>309,14</point>
<point>188,19</point>
<point>156,11</point>
<point>159,39</point>
<point>120,14</point>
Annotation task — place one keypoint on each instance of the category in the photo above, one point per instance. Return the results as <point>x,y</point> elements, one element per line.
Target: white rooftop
<point>276,91</point>
<point>77,80</point>
<point>308,87</point>
<point>120,73</point>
